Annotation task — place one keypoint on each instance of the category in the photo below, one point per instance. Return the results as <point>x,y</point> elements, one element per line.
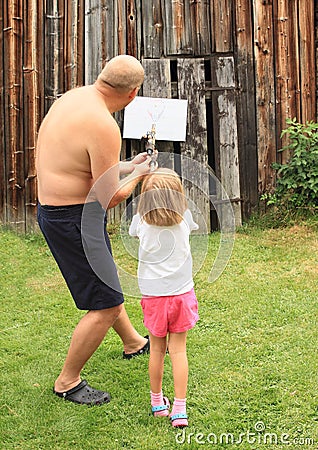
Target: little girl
<point>163,225</point>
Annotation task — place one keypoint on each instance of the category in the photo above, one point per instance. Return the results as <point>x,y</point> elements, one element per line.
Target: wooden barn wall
<point>242,65</point>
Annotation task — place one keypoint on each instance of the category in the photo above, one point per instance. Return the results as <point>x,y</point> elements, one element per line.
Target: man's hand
<point>140,158</point>
<point>127,167</point>
<point>142,166</point>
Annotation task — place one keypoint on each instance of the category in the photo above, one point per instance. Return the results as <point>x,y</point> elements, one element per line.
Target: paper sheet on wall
<point>168,115</point>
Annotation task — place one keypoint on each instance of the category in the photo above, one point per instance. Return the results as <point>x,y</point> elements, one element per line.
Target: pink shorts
<point>170,314</point>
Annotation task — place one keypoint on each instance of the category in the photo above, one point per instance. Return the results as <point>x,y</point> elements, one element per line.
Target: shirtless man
<point>79,143</point>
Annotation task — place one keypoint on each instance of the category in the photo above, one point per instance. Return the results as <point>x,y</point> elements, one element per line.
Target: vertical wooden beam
<point>177,32</point>
<point>73,44</point>
<point>132,20</point>
<point>157,78</point>
<point>31,70</point>
<point>225,130</point>
<point>222,24</point>
<point>3,190</point>
<point>293,61</point>
<point>288,101</point>
<point>119,29</point>
<point>13,27</point>
<point>70,15</point>
<point>200,25</point>
<point>152,28</point>
<point>54,26</point>
<point>40,43</point>
<point>316,52</point>
<point>108,31</point>
<point>191,86</point>
<point>307,60</point>
<point>265,93</point>
<point>93,39</point>
<point>246,117</point>
<point>78,39</point>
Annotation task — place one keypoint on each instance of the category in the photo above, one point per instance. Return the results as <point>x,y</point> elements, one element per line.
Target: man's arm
<point>104,151</point>
<point>128,184</point>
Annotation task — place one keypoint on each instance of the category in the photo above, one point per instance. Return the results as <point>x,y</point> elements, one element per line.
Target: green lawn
<point>252,356</point>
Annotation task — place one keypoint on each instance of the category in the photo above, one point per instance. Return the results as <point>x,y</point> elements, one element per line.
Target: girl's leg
<point>158,347</point>
<point>178,355</point>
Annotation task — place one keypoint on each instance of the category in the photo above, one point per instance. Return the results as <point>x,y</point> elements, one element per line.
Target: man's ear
<point>133,93</point>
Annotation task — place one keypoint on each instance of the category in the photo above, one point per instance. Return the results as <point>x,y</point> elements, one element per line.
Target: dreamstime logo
<point>207,193</point>
<point>259,436</point>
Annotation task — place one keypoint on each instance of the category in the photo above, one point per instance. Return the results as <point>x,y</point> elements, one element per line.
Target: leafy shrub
<point>297,179</point>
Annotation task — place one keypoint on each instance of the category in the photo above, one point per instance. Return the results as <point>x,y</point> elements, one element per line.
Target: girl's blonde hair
<point>162,200</point>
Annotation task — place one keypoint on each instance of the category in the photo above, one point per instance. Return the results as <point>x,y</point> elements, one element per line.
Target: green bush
<point>297,179</point>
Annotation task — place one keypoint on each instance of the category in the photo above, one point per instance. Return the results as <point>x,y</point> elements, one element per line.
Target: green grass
<point>252,356</point>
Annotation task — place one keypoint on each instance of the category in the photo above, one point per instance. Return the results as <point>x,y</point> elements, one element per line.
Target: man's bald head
<point>123,73</point>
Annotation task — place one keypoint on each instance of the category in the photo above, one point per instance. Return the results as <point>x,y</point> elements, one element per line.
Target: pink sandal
<point>159,408</point>
<point>179,420</point>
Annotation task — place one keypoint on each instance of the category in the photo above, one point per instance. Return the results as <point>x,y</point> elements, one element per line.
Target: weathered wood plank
<point>246,106</point>
<point>223,72</point>
<point>31,106</point>
<point>265,93</point>
<point>73,44</point>
<point>287,68</point>
<point>108,31</point>
<point>131,28</point>
<point>225,130</point>
<point>157,81</point>
<point>191,86</point>
<point>120,25</point>
<point>200,25</point>
<point>307,60</point>
<point>70,16</point>
<point>40,46</point>
<point>316,53</point>
<point>293,62</point>
<point>222,24</point>
<point>104,34</point>
<point>54,25</point>
<point>2,129</point>
<point>13,104</point>
<point>93,39</point>
<point>152,28</point>
<point>177,35</point>
<point>107,25</point>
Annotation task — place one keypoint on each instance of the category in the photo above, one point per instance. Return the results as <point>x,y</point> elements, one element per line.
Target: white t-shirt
<point>165,261</point>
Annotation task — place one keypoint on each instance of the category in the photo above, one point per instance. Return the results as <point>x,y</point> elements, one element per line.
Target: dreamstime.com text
<point>259,436</point>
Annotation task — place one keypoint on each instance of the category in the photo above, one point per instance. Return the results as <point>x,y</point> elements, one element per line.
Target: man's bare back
<point>67,142</point>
